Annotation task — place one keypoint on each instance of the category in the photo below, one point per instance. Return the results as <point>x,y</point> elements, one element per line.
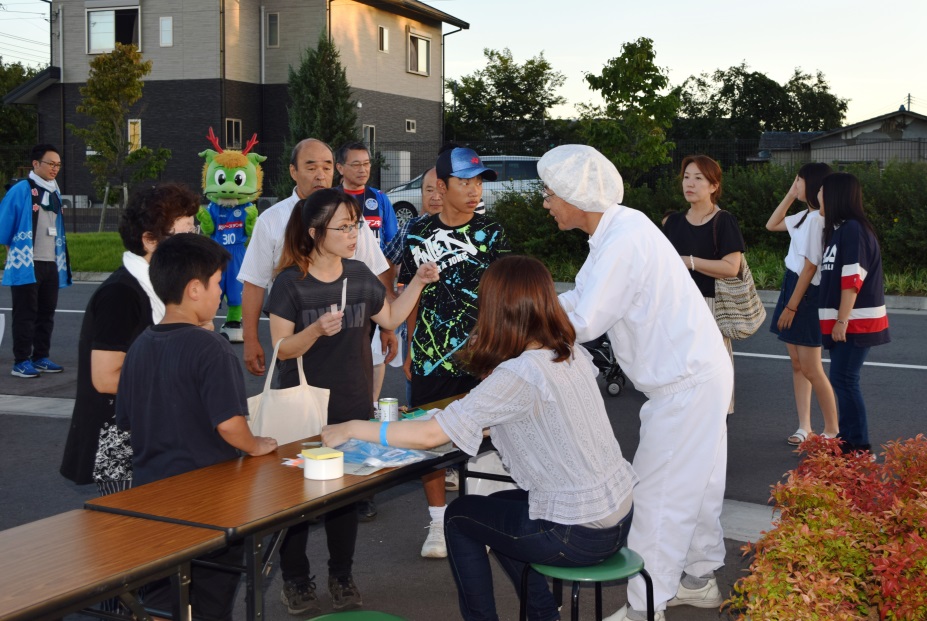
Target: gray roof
<point>785,141</point>
<point>28,91</point>
<point>901,113</point>
<point>419,9</point>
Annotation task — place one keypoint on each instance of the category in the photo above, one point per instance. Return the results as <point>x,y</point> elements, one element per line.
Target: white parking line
<point>889,365</point>
<point>80,312</point>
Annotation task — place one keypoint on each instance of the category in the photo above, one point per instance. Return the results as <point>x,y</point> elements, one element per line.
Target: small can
<point>389,409</point>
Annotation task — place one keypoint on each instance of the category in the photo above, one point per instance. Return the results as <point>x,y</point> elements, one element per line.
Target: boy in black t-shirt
<point>181,393</point>
<point>463,244</point>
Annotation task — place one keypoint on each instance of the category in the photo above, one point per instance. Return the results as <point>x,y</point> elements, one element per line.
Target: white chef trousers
<point>682,464</point>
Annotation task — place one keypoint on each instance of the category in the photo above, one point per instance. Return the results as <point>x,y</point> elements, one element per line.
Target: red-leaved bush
<point>850,543</point>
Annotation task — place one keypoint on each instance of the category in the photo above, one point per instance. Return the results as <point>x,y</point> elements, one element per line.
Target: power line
<point>17,56</point>
<point>19,47</point>
<point>28,40</point>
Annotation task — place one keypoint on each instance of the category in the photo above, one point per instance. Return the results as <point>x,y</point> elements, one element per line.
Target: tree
<point>17,122</point>
<point>740,103</point>
<point>631,128</point>
<point>113,87</point>
<point>505,101</point>
<point>321,105</point>
<point>814,107</point>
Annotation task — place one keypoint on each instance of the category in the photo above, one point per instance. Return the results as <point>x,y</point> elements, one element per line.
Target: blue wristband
<point>383,427</point>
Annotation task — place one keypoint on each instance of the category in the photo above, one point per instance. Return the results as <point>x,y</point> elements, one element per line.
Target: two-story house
<point>224,64</point>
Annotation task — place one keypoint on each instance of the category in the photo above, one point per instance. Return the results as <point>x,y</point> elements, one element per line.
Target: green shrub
<point>531,231</point>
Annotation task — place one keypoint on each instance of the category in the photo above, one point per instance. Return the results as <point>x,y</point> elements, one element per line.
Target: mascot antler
<point>250,144</point>
<point>211,137</point>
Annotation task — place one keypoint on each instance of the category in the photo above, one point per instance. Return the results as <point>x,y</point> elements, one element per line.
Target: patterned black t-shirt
<point>343,362</point>
<point>447,309</point>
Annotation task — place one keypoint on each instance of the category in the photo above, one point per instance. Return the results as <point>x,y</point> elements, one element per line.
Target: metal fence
<point>398,162</point>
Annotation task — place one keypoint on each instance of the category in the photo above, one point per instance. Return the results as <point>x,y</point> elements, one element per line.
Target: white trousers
<point>682,464</point>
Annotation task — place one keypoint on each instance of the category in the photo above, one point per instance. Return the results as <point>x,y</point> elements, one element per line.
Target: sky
<point>871,53</point>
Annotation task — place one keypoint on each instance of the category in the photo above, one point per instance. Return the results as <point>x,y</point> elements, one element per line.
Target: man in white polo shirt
<point>312,167</point>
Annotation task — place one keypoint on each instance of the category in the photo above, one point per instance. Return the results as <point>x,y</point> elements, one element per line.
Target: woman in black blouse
<point>707,238</point>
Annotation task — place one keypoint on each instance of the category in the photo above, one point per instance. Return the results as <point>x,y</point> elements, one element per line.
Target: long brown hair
<point>315,212</point>
<point>517,306</point>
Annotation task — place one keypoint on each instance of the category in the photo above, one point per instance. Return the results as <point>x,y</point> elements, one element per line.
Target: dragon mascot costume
<point>232,181</point>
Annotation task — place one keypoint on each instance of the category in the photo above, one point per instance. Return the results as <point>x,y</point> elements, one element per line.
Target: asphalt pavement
<point>34,416</point>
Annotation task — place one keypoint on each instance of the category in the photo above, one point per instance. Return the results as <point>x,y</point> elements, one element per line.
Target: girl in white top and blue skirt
<point>541,405</point>
<point>795,319</point>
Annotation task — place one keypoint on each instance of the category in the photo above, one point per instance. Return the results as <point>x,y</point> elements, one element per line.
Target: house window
<point>384,39</point>
<point>135,135</point>
<point>410,126</point>
<point>167,32</point>
<point>273,30</point>
<point>419,54</point>
<point>107,27</point>
<point>232,133</point>
<point>370,137</point>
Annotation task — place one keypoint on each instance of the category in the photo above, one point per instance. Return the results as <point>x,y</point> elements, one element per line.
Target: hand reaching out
<point>428,272</point>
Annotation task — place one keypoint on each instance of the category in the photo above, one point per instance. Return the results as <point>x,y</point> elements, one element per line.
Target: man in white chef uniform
<point>635,287</point>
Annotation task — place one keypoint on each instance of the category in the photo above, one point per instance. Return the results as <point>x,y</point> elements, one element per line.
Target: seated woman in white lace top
<point>542,407</point>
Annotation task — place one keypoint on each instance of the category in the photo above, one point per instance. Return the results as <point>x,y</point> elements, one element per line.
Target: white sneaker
<point>622,615</point>
<point>452,480</point>
<point>434,544</point>
<point>706,597</point>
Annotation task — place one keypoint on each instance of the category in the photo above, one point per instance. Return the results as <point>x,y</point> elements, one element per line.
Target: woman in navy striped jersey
<point>852,313</point>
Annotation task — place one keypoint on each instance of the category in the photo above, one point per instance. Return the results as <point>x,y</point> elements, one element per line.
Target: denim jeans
<point>846,360</point>
<point>501,522</point>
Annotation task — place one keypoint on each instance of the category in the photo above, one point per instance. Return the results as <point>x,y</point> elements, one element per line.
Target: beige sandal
<point>798,437</point>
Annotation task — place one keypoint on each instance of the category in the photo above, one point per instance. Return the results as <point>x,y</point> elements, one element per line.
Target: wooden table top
<point>246,495</point>
<point>69,559</point>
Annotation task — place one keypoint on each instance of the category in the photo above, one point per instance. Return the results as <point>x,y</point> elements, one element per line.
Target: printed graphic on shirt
<point>230,224</point>
<point>354,315</point>
<point>447,309</point>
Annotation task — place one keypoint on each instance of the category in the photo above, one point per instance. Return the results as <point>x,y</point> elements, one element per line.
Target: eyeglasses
<point>347,228</point>
<point>51,164</point>
<point>545,194</point>
<point>359,165</point>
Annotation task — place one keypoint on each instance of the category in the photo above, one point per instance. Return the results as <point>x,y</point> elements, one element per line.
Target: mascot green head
<point>232,177</point>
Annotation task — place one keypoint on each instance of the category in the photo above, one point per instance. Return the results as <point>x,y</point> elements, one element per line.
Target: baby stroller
<point>604,360</point>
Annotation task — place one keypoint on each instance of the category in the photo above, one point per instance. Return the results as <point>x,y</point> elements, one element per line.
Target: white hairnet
<point>582,176</point>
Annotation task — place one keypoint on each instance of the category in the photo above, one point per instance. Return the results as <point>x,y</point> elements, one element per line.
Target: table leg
<point>131,602</point>
<point>180,585</point>
<point>254,577</point>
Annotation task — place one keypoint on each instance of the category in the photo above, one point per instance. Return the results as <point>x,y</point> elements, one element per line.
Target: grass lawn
<point>90,252</point>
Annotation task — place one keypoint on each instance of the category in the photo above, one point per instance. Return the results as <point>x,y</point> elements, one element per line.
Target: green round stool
<point>358,615</point>
<point>624,564</point>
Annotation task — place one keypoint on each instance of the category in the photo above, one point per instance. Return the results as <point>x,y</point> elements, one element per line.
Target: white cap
<point>582,176</point>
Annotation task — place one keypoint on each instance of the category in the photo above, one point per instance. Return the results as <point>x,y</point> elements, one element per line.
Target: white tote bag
<point>288,414</point>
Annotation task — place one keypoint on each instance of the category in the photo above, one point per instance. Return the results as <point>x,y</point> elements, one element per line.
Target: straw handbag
<point>738,308</point>
<point>288,414</point>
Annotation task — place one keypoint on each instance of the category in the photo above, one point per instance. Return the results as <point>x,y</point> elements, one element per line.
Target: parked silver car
<point>515,172</point>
